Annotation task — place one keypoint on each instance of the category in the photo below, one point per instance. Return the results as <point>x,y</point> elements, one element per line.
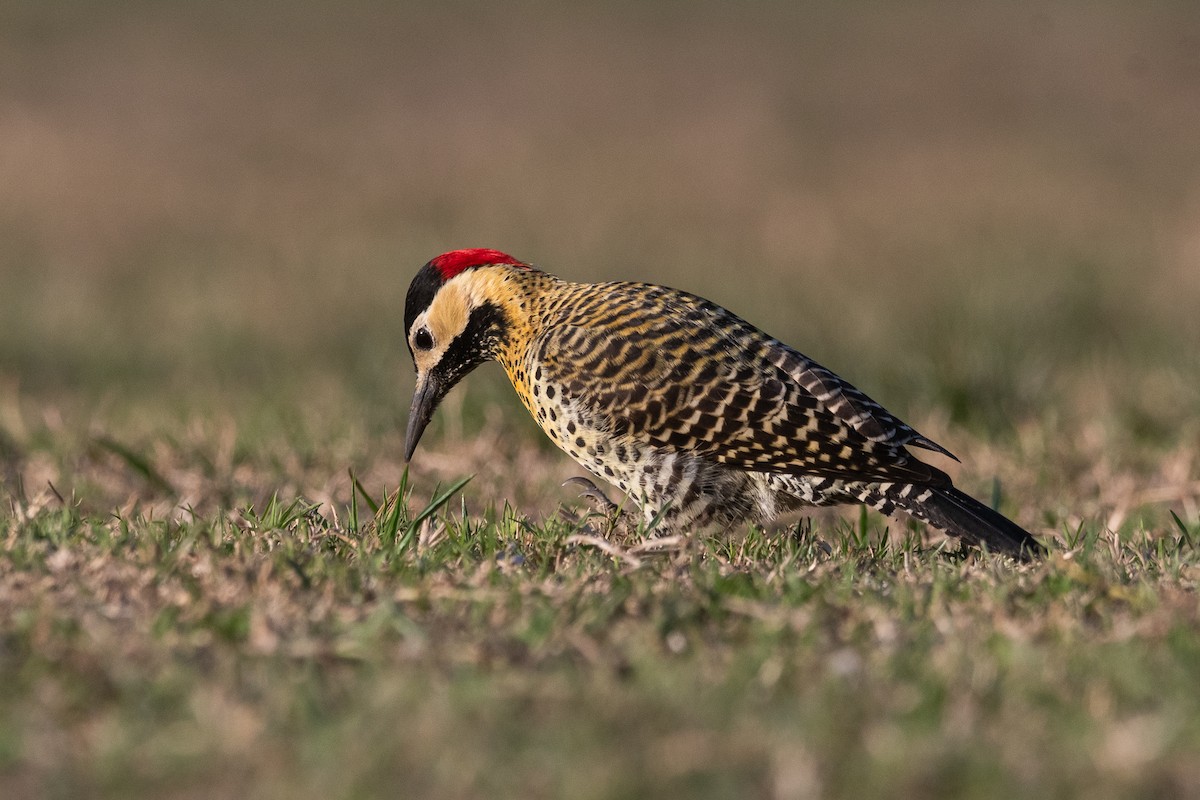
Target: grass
<point>286,652</point>
<point>218,578</point>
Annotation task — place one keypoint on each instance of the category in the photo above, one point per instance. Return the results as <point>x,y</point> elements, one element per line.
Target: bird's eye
<point>422,340</point>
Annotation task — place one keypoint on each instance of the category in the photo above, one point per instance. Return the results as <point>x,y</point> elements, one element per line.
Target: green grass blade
<point>358,487</point>
<point>1187,537</point>
<point>440,498</point>
<point>138,463</point>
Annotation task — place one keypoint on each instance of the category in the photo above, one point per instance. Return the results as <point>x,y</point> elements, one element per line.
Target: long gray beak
<point>428,394</point>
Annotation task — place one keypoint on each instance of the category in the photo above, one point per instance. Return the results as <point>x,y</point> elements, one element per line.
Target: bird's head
<point>455,318</point>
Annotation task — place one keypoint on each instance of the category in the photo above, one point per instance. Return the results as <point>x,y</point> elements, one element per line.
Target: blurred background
<point>985,215</point>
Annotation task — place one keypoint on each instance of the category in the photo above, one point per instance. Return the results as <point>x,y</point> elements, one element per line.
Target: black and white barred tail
<point>959,514</point>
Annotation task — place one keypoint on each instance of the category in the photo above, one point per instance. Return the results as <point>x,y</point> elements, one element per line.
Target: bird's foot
<point>617,519</point>
<point>590,492</point>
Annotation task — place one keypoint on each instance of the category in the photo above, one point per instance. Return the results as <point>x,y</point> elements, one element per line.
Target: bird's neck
<point>521,297</point>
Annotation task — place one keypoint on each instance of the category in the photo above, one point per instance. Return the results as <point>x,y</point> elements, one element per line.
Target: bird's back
<point>650,387</point>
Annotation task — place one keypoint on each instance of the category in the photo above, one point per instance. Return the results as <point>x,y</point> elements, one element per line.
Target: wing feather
<point>683,373</point>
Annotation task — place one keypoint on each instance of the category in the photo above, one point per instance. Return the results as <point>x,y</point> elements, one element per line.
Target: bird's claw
<point>592,494</point>
<point>618,519</point>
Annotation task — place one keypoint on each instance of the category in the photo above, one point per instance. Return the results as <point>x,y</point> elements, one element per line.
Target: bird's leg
<point>618,518</point>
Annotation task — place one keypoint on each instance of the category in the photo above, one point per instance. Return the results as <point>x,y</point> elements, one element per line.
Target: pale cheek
<point>426,360</point>
<point>422,362</point>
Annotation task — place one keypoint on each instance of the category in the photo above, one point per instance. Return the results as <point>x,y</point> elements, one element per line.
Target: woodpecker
<point>702,419</point>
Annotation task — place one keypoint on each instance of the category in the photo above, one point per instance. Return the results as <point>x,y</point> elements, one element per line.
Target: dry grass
<point>989,218</point>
